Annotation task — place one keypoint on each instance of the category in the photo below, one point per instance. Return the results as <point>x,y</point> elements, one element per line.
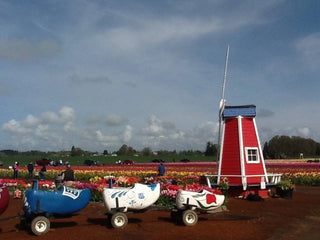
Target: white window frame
<point>249,155</point>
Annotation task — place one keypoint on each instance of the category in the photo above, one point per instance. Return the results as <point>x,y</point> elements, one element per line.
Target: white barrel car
<point>120,200</point>
<point>188,202</point>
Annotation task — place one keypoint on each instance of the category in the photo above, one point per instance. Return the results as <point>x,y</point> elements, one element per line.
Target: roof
<point>243,110</point>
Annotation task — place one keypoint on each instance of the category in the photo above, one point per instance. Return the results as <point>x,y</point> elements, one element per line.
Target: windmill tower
<point>240,157</point>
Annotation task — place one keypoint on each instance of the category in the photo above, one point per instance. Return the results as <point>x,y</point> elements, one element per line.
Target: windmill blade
<point>222,101</point>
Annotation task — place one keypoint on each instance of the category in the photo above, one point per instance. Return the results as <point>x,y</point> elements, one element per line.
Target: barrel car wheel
<point>119,220</point>
<point>189,217</point>
<point>40,225</point>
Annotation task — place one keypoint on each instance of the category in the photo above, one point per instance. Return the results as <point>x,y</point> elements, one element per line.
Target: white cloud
<point>127,135</point>
<point>155,127</point>
<point>69,127</point>
<point>50,117</point>
<point>309,49</point>
<point>31,121</point>
<point>49,126</point>
<point>15,127</point>
<point>67,114</point>
<point>106,140</point>
<point>164,135</point>
<point>304,132</point>
<point>42,131</point>
<point>158,31</point>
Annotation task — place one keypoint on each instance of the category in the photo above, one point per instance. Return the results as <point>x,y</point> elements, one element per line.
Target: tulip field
<point>178,176</point>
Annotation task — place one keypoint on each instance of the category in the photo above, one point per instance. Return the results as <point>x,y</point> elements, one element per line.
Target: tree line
<point>290,147</point>
<point>277,147</point>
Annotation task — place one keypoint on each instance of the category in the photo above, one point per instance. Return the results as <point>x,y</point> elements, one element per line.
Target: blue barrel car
<point>40,205</point>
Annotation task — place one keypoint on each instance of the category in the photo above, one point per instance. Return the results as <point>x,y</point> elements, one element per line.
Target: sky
<point>100,74</point>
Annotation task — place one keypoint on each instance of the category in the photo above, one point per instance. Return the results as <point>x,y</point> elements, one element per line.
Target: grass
<point>78,160</point>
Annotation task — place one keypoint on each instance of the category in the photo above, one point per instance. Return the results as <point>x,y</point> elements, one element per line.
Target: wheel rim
<point>119,221</point>
<point>40,226</point>
<point>190,218</point>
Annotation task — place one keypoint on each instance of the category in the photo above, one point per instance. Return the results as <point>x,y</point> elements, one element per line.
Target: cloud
<point>42,131</point>
<point>91,79</point>
<point>308,48</point>
<point>114,120</point>
<point>36,129</point>
<point>50,117</point>
<point>135,33</point>
<point>24,49</point>
<point>106,140</point>
<point>110,121</point>
<point>67,114</point>
<point>305,132</point>
<point>65,118</point>
<point>31,121</point>
<point>15,127</point>
<point>164,135</point>
<point>127,135</point>
<point>156,128</point>
<point>265,113</point>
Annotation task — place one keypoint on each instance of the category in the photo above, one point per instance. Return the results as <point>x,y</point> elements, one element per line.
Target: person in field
<point>161,170</point>
<point>30,170</point>
<point>68,174</point>
<point>16,170</point>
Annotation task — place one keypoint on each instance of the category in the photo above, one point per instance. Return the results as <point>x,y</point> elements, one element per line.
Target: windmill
<point>240,157</point>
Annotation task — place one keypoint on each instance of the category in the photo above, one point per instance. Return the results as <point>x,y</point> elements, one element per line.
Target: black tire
<point>40,225</point>
<point>119,220</point>
<point>25,224</point>
<point>176,216</point>
<point>189,218</point>
<point>109,217</point>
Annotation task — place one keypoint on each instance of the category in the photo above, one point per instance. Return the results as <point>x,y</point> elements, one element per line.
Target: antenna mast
<point>222,102</point>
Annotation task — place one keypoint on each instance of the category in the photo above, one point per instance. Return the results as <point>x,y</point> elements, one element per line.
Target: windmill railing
<point>266,179</point>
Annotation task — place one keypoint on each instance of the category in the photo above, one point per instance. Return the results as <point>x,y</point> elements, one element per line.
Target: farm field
<point>298,172</point>
<point>79,160</point>
<point>273,218</point>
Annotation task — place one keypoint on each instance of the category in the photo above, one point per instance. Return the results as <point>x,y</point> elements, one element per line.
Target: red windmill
<point>240,157</point>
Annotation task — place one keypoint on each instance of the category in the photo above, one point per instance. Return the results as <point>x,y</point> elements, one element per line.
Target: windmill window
<point>252,155</point>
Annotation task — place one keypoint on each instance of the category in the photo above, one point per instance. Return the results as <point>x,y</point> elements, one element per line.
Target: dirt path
<point>297,218</point>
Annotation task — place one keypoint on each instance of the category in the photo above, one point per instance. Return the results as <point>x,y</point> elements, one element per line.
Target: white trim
<point>275,177</point>
<point>243,170</point>
<point>247,155</point>
<point>260,150</point>
<point>221,150</point>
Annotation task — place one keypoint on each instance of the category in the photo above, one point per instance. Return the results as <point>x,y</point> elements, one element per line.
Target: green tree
<point>76,152</point>
<point>146,151</point>
<point>289,147</point>
<point>126,150</point>
<point>211,149</point>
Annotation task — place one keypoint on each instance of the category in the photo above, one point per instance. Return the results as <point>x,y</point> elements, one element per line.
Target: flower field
<point>300,173</point>
<point>178,176</point>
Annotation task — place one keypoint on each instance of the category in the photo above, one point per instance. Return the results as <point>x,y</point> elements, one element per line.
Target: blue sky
<point>99,74</point>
